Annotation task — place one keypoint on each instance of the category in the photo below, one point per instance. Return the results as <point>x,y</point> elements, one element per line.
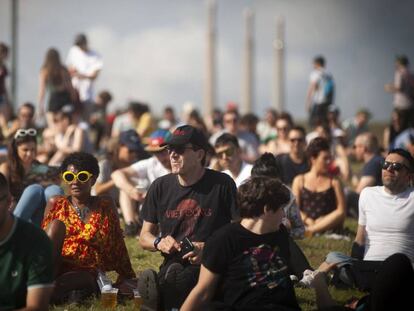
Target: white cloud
<point>151,65</point>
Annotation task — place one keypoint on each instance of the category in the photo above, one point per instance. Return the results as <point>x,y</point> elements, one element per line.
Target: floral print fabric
<point>97,243</point>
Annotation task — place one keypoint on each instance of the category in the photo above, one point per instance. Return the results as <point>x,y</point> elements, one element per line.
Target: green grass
<point>315,249</point>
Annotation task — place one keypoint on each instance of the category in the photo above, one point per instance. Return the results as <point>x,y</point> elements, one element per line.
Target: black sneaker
<point>170,276</point>
<point>172,285</point>
<point>148,288</point>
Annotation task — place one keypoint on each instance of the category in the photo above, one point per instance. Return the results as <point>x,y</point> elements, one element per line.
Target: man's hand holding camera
<point>191,251</point>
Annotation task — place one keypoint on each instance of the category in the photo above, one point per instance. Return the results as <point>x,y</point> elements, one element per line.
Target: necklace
<point>82,213</point>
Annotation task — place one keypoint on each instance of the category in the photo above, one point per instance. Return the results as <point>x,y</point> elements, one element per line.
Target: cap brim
<point>155,148</point>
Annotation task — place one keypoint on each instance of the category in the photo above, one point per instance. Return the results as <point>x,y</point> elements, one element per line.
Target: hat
<point>188,134</point>
<point>156,139</point>
<point>130,139</point>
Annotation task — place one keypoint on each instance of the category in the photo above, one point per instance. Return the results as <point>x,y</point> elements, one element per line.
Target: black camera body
<point>186,246</point>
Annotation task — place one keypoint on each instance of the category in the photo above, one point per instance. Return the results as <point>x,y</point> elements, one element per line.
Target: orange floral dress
<point>98,243</point>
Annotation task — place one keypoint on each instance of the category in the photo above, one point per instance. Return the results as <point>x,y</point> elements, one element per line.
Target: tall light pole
<point>279,66</point>
<point>210,75</point>
<point>247,85</point>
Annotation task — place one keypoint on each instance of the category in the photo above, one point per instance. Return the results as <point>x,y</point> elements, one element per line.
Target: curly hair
<point>266,165</point>
<point>316,146</point>
<point>82,161</point>
<point>261,191</point>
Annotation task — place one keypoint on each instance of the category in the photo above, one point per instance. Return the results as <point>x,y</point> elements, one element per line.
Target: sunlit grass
<point>315,249</point>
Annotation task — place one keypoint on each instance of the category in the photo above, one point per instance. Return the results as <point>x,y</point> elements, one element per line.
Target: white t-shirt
<point>85,63</point>
<point>244,174</point>
<point>149,169</point>
<point>389,222</point>
<point>316,77</point>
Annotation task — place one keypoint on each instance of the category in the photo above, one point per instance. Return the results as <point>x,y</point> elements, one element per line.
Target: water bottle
<point>104,282</point>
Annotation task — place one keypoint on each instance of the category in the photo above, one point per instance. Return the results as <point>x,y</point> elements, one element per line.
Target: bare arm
<point>5,170</point>
<point>121,178</point>
<point>360,235</point>
<point>78,139</point>
<point>67,82</point>
<point>42,91</point>
<point>309,95</point>
<point>334,218</point>
<point>104,187</point>
<point>203,292</point>
<point>149,231</point>
<point>37,299</point>
<point>365,181</point>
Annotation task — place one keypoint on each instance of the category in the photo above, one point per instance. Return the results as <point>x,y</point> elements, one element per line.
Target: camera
<point>186,246</point>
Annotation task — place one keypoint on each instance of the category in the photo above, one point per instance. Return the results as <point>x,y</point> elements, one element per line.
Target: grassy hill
<point>315,248</point>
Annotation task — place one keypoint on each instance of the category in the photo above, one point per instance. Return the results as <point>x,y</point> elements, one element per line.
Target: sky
<point>154,50</point>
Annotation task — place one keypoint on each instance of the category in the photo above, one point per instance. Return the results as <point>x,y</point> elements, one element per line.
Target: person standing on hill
<point>84,66</point>
<point>320,92</point>
<point>403,88</point>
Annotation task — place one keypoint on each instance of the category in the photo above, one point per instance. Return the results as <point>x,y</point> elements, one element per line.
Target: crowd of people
<point>221,198</point>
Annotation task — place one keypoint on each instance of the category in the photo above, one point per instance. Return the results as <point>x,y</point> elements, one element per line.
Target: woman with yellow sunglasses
<point>86,232</point>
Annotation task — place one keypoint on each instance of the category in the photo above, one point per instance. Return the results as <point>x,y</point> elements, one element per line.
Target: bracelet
<point>156,242</point>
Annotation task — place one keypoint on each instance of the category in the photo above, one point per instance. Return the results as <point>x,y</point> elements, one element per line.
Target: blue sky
<point>154,50</point>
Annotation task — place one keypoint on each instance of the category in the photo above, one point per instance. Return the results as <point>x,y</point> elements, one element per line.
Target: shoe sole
<point>147,287</point>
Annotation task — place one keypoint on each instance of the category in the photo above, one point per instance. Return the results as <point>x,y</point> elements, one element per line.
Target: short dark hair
<point>105,95</point>
<point>81,39</point>
<point>83,161</point>
<point>258,192</point>
<point>406,155</point>
<point>299,129</point>
<point>266,165</point>
<point>28,105</point>
<point>320,60</point>
<point>317,145</point>
<point>402,60</point>
<point>226,139</point>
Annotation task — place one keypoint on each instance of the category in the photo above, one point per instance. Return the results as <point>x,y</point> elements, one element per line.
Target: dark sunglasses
<point>180,149</point>
<point>296,140</point>
<point>393,166</point>
<point>228,152</point>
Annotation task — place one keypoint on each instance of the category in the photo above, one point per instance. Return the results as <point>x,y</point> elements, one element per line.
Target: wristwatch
<point>156,242</point>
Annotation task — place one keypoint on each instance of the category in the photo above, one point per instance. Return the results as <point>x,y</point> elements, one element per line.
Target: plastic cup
<point>109,298</point>
<point>137,298</point>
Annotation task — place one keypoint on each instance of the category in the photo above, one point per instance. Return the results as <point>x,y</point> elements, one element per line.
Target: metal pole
<point>247,86</point>
<point>210,77</point>
<point>278,65</point>
<point>14,47</point>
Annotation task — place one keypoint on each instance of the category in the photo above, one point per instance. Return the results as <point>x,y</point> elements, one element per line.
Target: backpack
<point>327,88</point>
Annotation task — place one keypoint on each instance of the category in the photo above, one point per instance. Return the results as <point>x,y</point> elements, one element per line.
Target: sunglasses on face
<point>178,149</point>
<point>25,132</point>
<point>393,166</point>
<point>82,176</point>
<point>228,152</point>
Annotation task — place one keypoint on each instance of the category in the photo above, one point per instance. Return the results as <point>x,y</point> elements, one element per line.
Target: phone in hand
<point>186,246</point>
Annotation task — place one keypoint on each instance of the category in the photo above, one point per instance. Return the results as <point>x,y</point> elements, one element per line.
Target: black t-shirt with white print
<point>195,211</point>
<point>254,269</point>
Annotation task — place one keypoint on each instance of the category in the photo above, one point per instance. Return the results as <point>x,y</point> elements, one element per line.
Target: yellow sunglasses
<point>82,176</point>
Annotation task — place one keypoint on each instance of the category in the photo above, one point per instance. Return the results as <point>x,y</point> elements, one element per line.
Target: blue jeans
<point>32,203</point>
